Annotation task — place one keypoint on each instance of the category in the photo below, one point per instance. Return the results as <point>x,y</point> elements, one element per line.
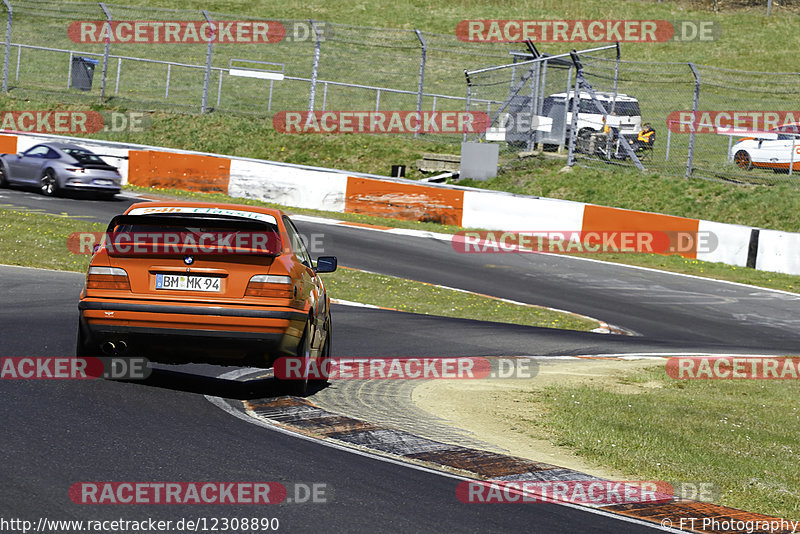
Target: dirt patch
<point>508,414</point>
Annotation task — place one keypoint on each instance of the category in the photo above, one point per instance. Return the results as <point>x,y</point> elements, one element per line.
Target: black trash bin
<point>83,72</point>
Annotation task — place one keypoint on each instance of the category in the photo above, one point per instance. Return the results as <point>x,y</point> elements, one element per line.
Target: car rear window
<point>84,156</point>
<point>188,234</point>
<point>623,109</point>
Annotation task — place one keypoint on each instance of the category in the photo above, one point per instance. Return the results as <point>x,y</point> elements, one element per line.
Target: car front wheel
<point>49,183</point>
<point>742,159</point>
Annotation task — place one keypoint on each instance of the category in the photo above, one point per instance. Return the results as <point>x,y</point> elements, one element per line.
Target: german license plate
<point>187,283</point>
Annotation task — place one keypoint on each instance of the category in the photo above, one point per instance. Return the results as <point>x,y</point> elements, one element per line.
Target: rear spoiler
<point>226,223</point>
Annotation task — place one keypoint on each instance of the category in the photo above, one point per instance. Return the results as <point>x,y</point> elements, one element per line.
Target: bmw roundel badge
<point>188,260</point>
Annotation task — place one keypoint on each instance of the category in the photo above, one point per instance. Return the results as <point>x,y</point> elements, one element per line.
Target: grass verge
<point>40,240</point>
<point>739,435</point>
<point>388,291</point>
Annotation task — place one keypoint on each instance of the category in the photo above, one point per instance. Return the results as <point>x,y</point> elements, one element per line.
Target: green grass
<point>738,435</point>
<point>748,36</point>
<point>752,205</point>
<point>410,296</point>
<point>33,239</point>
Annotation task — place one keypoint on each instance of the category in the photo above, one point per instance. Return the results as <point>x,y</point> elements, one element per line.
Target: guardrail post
<point>105,53</point>
<point>207,79</point>
<point>422,60</point>
<point>315,68</point>
<point>8,45</point>
<point>695,106</point>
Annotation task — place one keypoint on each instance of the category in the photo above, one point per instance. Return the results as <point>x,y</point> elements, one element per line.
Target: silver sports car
<point>59,167</point>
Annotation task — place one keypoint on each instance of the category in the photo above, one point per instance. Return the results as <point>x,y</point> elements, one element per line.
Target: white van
<point>625,107</point>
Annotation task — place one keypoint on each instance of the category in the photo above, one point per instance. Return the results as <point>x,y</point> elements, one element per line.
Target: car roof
<point>62,146</point>
<point>601,95</point>
<point>184,204</point>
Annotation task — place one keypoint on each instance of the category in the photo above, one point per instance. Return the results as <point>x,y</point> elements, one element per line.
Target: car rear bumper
<point>80,186</point>
<point>180,333</point>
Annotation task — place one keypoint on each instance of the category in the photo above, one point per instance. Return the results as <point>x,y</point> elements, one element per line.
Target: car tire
<point>82,349</point>
<point>743,160</point>
<point>295,387</point>
<point>49,184</point>
<point>324,356</point>
<point>3,176</point>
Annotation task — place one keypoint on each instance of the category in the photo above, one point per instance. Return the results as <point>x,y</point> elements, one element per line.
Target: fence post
<point>207,79</point>
<point>422,60</point>
<point>469,98</point>
<point>8,45</point>
<point>695,105</point>
<point>573,135</point>
<point>105,53</point>
<point>534,100</point>
<point>616,81</point>
<point>769,7</point>
<point>566,111</point>
<point>314,68</point>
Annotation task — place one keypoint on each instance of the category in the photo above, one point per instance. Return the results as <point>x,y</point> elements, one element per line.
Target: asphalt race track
<point>56,433</point>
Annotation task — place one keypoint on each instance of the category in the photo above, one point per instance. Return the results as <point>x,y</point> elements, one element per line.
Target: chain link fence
<point>311,65</point>
<point>676,119</point>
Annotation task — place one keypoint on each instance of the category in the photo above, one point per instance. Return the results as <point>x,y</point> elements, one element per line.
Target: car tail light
<point>268,285</point>
<point>107,278</point>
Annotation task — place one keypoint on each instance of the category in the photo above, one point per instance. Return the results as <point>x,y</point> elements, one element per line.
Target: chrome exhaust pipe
<point>108,348</point>
<point>121,346</point>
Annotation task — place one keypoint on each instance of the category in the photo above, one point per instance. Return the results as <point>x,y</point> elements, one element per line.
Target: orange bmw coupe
<point>225,284</point>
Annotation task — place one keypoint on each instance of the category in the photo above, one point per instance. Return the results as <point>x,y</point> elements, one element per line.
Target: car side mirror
<point>326,264</point>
